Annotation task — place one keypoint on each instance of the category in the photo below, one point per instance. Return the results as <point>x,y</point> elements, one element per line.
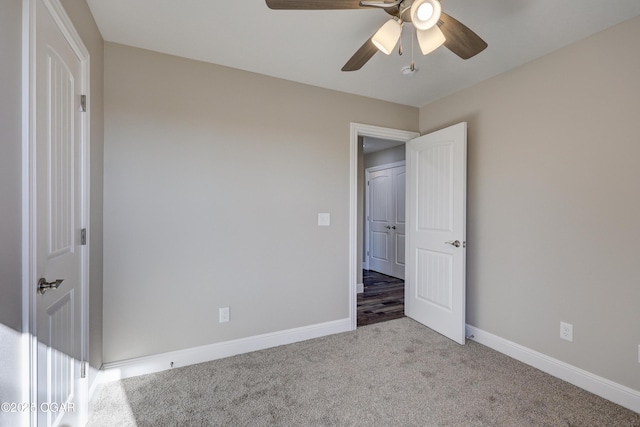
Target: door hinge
<point>83,236</point>
<point>83,369</point>
<point>83,103</point>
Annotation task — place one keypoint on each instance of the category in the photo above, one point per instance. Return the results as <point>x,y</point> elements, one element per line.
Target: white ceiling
<point>312,46</point>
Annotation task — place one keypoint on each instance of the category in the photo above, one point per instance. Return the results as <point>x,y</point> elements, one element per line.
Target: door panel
<point>434,278</point>
<point>379,245</point>
<point>58,213</point>
<point>436,231</point>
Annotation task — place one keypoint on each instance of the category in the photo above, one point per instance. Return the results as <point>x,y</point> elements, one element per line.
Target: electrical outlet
<point>638,353</point>
<point>566,331</point>
<point>224,314</point>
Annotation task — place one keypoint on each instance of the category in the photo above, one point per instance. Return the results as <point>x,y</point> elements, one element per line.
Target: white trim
<point>356,131</point>
<point>617,393</point>
<point>367,197</point>
<point>161,362</point>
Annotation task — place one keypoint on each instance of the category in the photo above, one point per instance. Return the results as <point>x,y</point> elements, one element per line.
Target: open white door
<point>59,174</point>
<point>436,230</point>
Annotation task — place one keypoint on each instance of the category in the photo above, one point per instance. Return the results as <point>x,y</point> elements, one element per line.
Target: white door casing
<point>58,211</point>
<point>385,241</point>
<point>435,287</point>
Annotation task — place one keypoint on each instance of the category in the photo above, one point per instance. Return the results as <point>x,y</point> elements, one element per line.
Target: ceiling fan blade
<point>460,39</point>
<point>362,55</point>
<point>313,4</point>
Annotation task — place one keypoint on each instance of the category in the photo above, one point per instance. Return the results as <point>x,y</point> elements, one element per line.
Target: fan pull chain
<point>412,65</point>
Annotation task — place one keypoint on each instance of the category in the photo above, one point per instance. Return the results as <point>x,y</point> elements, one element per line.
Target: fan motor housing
<point>403,7</point>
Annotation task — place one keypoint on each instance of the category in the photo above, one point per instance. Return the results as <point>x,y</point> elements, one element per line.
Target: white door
<point>399,221</point>
<point>436,231</point>
<point>58,214</point>
<point>386,220</point>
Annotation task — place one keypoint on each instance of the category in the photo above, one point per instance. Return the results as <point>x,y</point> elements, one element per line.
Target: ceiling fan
<point>433,27</point>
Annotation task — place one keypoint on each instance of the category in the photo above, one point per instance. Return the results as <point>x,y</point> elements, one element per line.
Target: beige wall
<point>10,207</point>
<point>553,202</point>
<point>213,181</point>
<point>10,163</point>
<point>83,22</point>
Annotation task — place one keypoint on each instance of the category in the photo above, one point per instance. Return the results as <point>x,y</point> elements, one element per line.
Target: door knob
<point>44,286</point>
<point>388,227</point>
<point>455,243</point>
<point>394,227</point>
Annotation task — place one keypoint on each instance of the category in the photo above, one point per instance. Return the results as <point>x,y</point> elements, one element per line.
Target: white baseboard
<point>617,393</point>
<point>360,288</point>
<point>161,362</point>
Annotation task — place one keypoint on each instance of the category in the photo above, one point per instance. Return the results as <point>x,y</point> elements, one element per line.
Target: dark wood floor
<point>382,299</point>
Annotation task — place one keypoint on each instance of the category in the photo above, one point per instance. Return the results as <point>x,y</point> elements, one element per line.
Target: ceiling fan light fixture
<point>431,39</point>
<point>386,38</point>
<point>425,13</point>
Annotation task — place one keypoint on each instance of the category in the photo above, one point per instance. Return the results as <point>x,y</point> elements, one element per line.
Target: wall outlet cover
<point>224,314</point>
<point>324,219</point>
<point>566,331</point>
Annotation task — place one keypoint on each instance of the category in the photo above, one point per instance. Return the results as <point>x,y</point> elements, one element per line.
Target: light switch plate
<point>324,219</point>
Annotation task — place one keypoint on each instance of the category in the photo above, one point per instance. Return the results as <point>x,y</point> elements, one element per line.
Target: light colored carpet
<point>397,373</point>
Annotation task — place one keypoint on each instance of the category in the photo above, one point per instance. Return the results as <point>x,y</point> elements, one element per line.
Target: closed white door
<point>398,226</point>
<point>435,287</point>
<point>58,215</point>
<point>386,218</point>
<point>380,221</point>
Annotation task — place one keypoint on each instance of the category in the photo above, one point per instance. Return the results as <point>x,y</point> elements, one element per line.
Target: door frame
<point>358,130</point>
<point>367,207</point>
<point>29,232</point>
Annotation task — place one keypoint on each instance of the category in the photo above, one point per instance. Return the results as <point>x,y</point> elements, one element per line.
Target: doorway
<point>356,200</point>
<point>436,212</point>
<point>382,296</point>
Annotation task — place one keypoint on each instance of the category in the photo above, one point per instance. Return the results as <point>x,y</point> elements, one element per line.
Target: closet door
<point>386,219</point>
